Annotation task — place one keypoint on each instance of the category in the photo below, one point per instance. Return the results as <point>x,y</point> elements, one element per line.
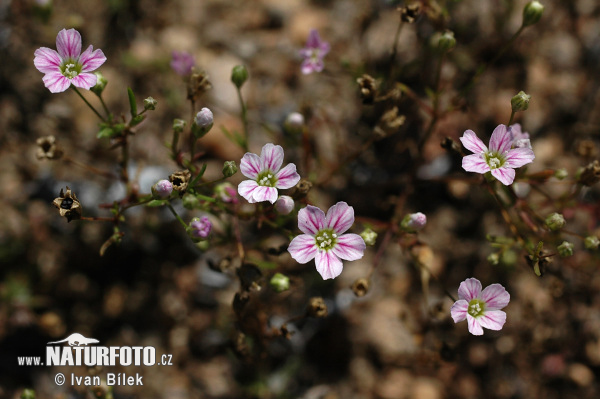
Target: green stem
<point>104,106</point>
<point>185,226</point>
<point>512,115</point>
<point>88,104</point>
<point>244,117</point>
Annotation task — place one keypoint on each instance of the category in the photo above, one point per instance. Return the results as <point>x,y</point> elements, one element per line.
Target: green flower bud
<point>239,75</point>
<point>280,282</point>
<point>190,201</point>
<point>178,125</point>
<point>555,221</point>
<point>369,236</point>
<point>565,249</point>
<point>592,242</point>
<point>561,174</point>
<point>532,13</point>
<point>229,168</point>
<point>520,102</point>
<point>101,83</point>
<point>28,394</point>
<point>447,41</point>
<point>494,259</point>
<point>150,104</point>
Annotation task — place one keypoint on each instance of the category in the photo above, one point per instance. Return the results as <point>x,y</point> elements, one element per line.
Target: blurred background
<point>158,289</point>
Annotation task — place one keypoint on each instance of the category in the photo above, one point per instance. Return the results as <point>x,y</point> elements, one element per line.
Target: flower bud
<point>239,75</point>
<point>317,307</point>
<point>565,249</point>
<point>447,41</point>
<point>532,13</point>
<point>203,122</point>
<point>226,192</point>
<point>561,174</point>
<point>150,104</point>
<point>178,125</point>
<point>101,83</point>
<point>162,189</point>
<point>190,201</point>
<point>592,242</point>
<point>555,221</point>
<point>369,236</point>
<point>199,228</point>
<point>284,204</point>
<point>229,168</point>
<point>294,123</point>
<point>68,205</point>
<point>414,222</point>
<point>520,102</point>
<point>280,282</point>
<point>360,287</point>
<point>494,259</point>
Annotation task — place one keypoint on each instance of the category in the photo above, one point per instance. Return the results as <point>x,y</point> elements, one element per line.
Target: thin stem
<point>97,171</point>
<point>125,159</point>
<point>395,49</point>
<point>238,234</point>
<point>142,202</point>
<point>88,104</point>
<point>512,115</point>
<point>177,216</point>
<point>505,214</point>
<point>104,105</point>
<point>436,102</point>
<point>244,117</point>
<point>97,219</point>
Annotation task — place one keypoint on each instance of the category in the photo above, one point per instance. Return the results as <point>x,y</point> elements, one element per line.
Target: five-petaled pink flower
<point>313,53</point>
<point>324,239</point>
<point>266,174</point>
<point>499,159</point>
<point>480,308</point>
<point>68,65</point>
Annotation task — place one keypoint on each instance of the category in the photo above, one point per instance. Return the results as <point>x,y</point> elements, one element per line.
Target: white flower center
<point>476,307</point>
<point>494,159</point>
<point>71,69</point>
<point>325,240</point>
<point>266,179</point>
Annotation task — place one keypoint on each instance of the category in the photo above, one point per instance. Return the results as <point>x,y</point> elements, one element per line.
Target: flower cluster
<point>313,53</point>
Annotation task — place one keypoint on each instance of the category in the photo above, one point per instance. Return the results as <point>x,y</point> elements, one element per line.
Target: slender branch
<point>88,104</point>
<point>177,216</point>
<point>92,169</point>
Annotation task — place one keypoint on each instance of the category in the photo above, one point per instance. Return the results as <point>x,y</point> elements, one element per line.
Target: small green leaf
<point>199,176</point>
<point>136,120</point>
<point>132,104</point>
<point>156,203</point>
<point>107,132</point>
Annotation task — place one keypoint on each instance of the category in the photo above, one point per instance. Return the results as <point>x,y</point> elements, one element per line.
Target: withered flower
<point>317,307</point>
<point>368,88</point>
<point>590,174</point>
<point>361,287</point>
<point>47,148</point>
<point>198,85</point>
<point>180,180</point>
<point>410,13</point>
<point>300,190</point>
<point>68,205</point>
<point>389,123</point>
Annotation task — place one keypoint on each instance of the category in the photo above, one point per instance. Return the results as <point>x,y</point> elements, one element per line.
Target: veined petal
<point>264,193</point>
<point>271,157</point>
<point>458,311</point>
<point>314,40</point>
<point>474,326</point>
<point>56,82</point>
<point>303,248</point>
<point>91,59</point>
<point>500,140</point>
<point>84,80</point>
<point>46,60</point>
<point>246,189</point>
<point>492,319</point>
<point>311,219</point>
<point>250,165</point>
<point>328,264</point>
<point>469,289</point>
<point>518,157</point>
<point>505,175</point>
<point>68,44</point>
<point>475,163</point>
<point>495,297</point>
<point>287,177</point>
<point>472,142</point>
<point>340,217</point>
<point>349,247</point>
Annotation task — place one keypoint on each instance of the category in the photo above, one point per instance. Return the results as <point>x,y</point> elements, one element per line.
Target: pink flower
<point>480,308</point>
<point>499,159</point>
<point>313,53</point>
<point>68,65</point>
<point>519,139</point>
<point>324,239</point>
<point>266,174</point>
<point>182,62</point>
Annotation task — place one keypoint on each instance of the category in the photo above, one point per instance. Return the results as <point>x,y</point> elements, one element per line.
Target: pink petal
<point>475,163</point>
<point>324,47</point>
<point>340,217</point>
<point>492,319</point>
<point>458,311</point>
<point>349,247</point>
<point>68,44</point>
<point>56,82</point>
<point>505,175</point>
<point>474,326</point>
<point>518,157</point>
<point>472,142</point>
<point>500,140</point>
<point>84,80</point>
<point>314,40</point>
<point>287,177</point>
<point>246,189</point>
<point>263,193</point>
<point>303,248</point>
<point>469,289</point>
<point>308,67</point>
<point>271,157</point>
<point>328,265</point>
<point>46,60</point>
<point>311,219</point>
<point>495,297</point>
<point>91,59</point>
<point>250,165</point>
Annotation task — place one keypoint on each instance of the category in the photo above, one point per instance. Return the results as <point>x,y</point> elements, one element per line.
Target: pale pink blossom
<point>480,308</point>
<point>519,138</point>
<point>499,159</point>
<point>313,53</point>
<point>266,174</point>
<point>324,239</point>
<point>182,62</point>
<point>68,65</point>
